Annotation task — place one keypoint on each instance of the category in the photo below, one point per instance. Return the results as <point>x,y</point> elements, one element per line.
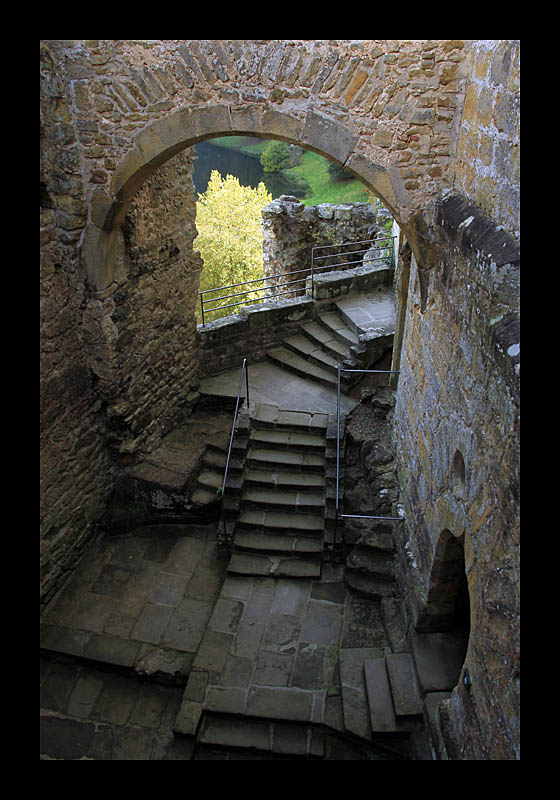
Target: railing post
<point>247,380</point>
<point>337,452</point>
<point>201,307</point>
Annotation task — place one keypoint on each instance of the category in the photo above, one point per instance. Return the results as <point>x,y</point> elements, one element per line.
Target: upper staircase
<point>279,526</point>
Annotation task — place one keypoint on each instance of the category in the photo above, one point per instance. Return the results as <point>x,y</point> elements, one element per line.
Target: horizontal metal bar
<point>349,244</point>
<point>361,516</point>
<point>346,263</point>
<point>257,300</point>
<point>353,252</point>
<point>384,371</point>
<point>255,280</point>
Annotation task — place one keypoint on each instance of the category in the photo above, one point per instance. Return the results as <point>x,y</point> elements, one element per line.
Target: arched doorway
<point>442,628</point>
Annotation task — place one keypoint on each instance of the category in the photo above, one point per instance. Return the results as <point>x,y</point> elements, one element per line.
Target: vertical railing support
<point>337,453</point>
<point>245,371</point>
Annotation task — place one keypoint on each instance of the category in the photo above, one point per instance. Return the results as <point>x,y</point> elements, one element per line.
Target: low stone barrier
<point>225,342</point>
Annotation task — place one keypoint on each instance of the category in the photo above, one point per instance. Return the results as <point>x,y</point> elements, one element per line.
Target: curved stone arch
<point>161,140</point>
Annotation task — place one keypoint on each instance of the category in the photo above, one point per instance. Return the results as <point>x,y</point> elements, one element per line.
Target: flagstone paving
<point>158,603</point>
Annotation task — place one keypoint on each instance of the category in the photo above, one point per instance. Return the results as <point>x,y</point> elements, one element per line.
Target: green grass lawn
<point>313,168</point>
<point>322,188</point>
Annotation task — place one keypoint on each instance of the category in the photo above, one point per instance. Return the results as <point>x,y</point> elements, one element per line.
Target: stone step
<point>256,565</point>
<point>338,327</point>
<point>404,686</point>
<point>304,481</point>
<point>284,544</point>
<point>312,352</point>
<point>374,586</point>
<point>269,416</point>
<point>204,496</point>
<point>379,697</point>
<point>286,358</point>
<point>218,458</point>
<point>282,499</point>
<point>280,521</point>
<point>372,561</point>
<point>374,310</point>
<point>261,736</point>
<point>299,441</point>
<point>354,700</point>
<point>329,342</point>
<point>266,457</point>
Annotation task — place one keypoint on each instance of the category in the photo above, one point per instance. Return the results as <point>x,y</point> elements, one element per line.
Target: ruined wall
<point>141,335</point>
<point>291,231</point>
<point>457,411</point>
<point>457,444</point>
<point>76,472</point>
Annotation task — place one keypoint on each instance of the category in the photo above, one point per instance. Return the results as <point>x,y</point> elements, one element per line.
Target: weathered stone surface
<point>119,353</point>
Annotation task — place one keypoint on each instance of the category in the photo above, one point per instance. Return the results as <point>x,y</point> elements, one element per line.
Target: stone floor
<point>157,603</point>
<point>271,384</point>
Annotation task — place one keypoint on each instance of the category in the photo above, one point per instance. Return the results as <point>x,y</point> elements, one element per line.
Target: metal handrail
<point>244,371</point>
<point>304,272</point>
<point>351,516</point>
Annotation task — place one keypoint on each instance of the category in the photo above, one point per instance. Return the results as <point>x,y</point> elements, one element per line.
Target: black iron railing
<point>223,534</point>
<point>339,516</point>
<point>348,252</point>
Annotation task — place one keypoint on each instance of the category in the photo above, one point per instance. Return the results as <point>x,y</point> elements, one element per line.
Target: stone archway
<point>161,140</point>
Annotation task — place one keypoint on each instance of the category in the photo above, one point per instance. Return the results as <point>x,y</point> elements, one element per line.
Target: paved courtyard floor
<point>158,604</point>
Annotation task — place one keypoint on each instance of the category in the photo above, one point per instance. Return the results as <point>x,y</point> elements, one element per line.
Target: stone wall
<point>457,446</point>
<point>76,471</point>
<point>291,231</point>
<point>488,156</point>
<point>141,331</point>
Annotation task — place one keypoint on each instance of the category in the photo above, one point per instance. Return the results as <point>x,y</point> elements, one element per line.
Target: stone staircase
<point>279,525</point>
<point>334,338</point>
<point>318,348</point>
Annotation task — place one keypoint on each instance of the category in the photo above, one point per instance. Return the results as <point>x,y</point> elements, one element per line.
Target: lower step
<point>281,521</point>
<point>280,544</point>
<point>262,736</point>
<point>274,566</point>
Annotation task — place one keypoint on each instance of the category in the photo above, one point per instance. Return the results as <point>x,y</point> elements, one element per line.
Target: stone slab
<point>404,687</point>
<point>281,703</point>
<point>235,733</point>
<point>354,700</point>
<point>380,703</point>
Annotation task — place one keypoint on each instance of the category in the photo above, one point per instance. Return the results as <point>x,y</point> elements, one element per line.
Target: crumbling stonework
<point>141,332</point>
<point>291,231</point>
<point>432,128</point>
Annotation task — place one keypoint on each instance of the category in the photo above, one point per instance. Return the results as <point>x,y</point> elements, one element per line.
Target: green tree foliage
<point>228,220</point>
<point>276,156</point>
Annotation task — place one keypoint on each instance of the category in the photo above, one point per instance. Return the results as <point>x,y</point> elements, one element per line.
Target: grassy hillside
<point>313,169</point>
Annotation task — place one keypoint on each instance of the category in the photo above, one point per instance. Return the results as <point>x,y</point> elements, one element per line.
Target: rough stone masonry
<point>432,128</point>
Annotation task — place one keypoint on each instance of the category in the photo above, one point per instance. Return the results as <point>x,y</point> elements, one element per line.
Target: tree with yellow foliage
<point>228,220</point>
